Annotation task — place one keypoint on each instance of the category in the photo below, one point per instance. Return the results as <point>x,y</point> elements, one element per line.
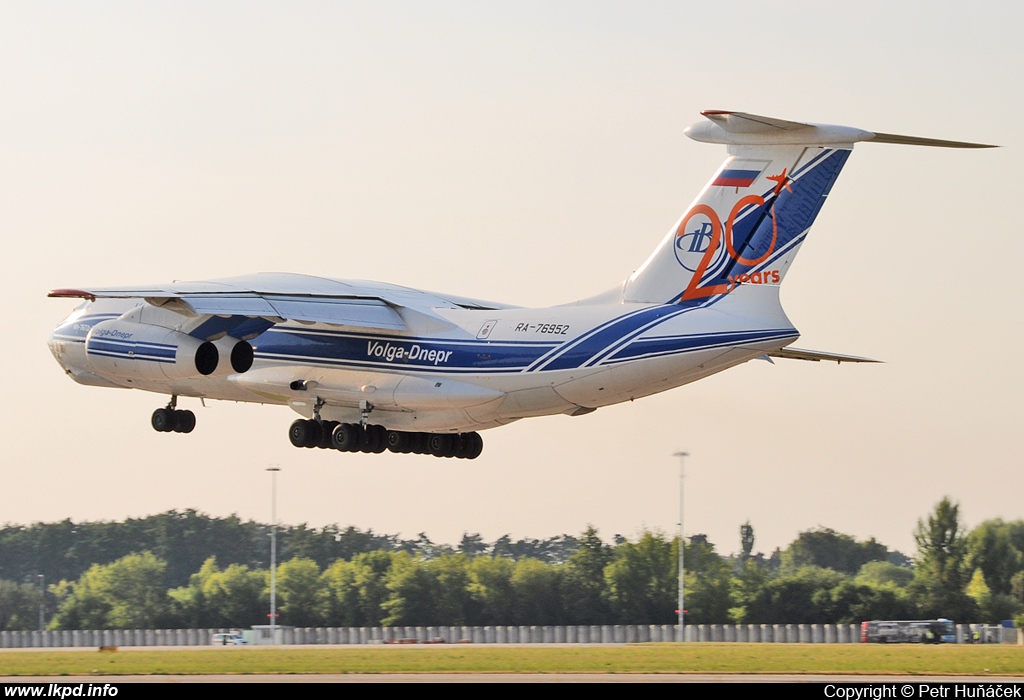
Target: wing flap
<point>226,304</point>
<point>365,313</point>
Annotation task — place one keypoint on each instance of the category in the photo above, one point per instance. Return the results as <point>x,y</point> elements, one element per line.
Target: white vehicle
<point>374,366</point>
<point>227,639</point>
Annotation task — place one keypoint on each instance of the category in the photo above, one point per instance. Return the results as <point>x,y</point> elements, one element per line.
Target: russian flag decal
<point>736,178</point>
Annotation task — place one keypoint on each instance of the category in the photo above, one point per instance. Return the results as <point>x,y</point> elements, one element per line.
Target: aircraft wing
<point>361,312</point>
<point>815,356</point>
<point>275,300</point>
<point>276,297</point>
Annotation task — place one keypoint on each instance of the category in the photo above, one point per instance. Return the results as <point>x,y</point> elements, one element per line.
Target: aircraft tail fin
<point>747,224</point>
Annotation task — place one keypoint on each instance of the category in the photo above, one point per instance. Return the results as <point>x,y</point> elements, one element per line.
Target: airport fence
<point>574,634</point>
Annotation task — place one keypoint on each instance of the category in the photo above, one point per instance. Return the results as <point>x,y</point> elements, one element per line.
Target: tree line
<point>345,577</point>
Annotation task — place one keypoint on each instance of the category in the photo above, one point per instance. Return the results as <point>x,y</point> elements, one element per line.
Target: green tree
<point>412,592</point>
<point>853,601</point>
<point>372,571</point>
<point>453,602</point>
<point>941,571</point>
<point>188,603</point>
<point>430,592</point>
<point>239,596</point>
<point>829,549</point>
<point>536,593</point>
<point>472,544</point>
<point>992,607</point>
<point>357,589</point>
<point>584,587</point>
<point>880,573</point>
<point>991,549</point>
<point>491,587</point>
<point>642,580</point>
<point>747,584</point>
<point>303,600</point>
<point>126,594</point>
<point>804,596</point>
<point>1017,587</point>
<point>19,606</point>
<point>707,584</point>
<point>746,541</point>
<point>235,597</point>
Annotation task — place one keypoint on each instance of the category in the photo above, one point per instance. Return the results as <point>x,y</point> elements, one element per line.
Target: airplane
<point>373,367</point>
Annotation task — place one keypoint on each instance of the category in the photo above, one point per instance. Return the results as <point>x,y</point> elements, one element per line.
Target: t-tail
<point>747,224</point>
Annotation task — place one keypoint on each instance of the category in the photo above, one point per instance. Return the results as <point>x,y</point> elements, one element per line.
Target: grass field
<point>639,658</point>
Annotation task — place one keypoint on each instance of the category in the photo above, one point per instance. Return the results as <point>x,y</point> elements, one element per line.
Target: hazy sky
<point>528,152</point>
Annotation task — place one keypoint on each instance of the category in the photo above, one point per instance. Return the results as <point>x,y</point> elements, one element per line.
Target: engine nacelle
<point>236,356</point>
<point>141,351</point>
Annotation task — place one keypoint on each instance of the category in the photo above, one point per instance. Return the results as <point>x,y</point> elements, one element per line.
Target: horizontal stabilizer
<point>919,141</point>
<point>816,356</point>
<point>741,128</point>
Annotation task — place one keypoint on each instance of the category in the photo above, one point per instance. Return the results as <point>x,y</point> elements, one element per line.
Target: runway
<point>897,680</point>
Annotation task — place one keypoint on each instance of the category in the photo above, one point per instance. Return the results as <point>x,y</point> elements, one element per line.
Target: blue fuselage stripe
<point>460,357</point>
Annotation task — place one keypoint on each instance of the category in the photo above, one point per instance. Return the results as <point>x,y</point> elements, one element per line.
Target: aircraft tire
<point>464,442</point>
<point>476,446</point>
<point>454,446</point>
<point>439,444</point>
<point>163,420</point>
<point>184,421</point>
<point>346,437</point>
<point>298,433</point>
<point>382,438</point>
<point>313,434</point>
<point>398,441</point>
<point>326,434</point>
<point>418,443</point>
<point>369,439</point>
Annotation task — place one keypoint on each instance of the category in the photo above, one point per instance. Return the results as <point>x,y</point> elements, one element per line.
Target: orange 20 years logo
<point>694,290</point>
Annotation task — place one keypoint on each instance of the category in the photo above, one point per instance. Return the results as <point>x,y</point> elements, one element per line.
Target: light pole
<point>682,456</point>
<point>273,553</point>
<point>42,602</point>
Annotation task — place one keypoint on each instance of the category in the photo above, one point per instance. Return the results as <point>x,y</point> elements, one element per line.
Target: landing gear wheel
<point>476,445</point>
<point>368,439</point>
<point>326,434</point>
<point>398,441</point>
<point>439,444</point>
<point>463,442</point>
<point>184,421</point>
<point>346,437</point>
<point>382,437</point>
<point>315,432</point>
<point>305,433</point>
<point>164,420</point>
<point>298,433</point>
<point>418,443</point>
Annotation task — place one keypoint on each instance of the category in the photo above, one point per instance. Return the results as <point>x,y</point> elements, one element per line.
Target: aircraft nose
<point>56,346</point>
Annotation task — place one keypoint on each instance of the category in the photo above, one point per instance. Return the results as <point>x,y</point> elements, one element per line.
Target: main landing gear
<point>353,437</point>
<point>171,420</point>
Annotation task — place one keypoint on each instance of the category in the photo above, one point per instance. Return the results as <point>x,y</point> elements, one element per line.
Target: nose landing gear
<point>171,420</point>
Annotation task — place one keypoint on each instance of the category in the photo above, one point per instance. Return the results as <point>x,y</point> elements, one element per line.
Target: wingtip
<point>903,140</point>
<point>71,294</point>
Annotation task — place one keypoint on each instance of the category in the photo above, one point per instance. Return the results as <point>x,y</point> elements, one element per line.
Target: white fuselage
<point>457,369</point>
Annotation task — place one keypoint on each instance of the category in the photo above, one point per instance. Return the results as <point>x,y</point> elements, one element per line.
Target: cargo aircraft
<point>373,367</point>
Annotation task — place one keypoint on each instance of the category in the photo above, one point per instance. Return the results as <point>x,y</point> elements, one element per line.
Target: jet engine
<point>148,352</point>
